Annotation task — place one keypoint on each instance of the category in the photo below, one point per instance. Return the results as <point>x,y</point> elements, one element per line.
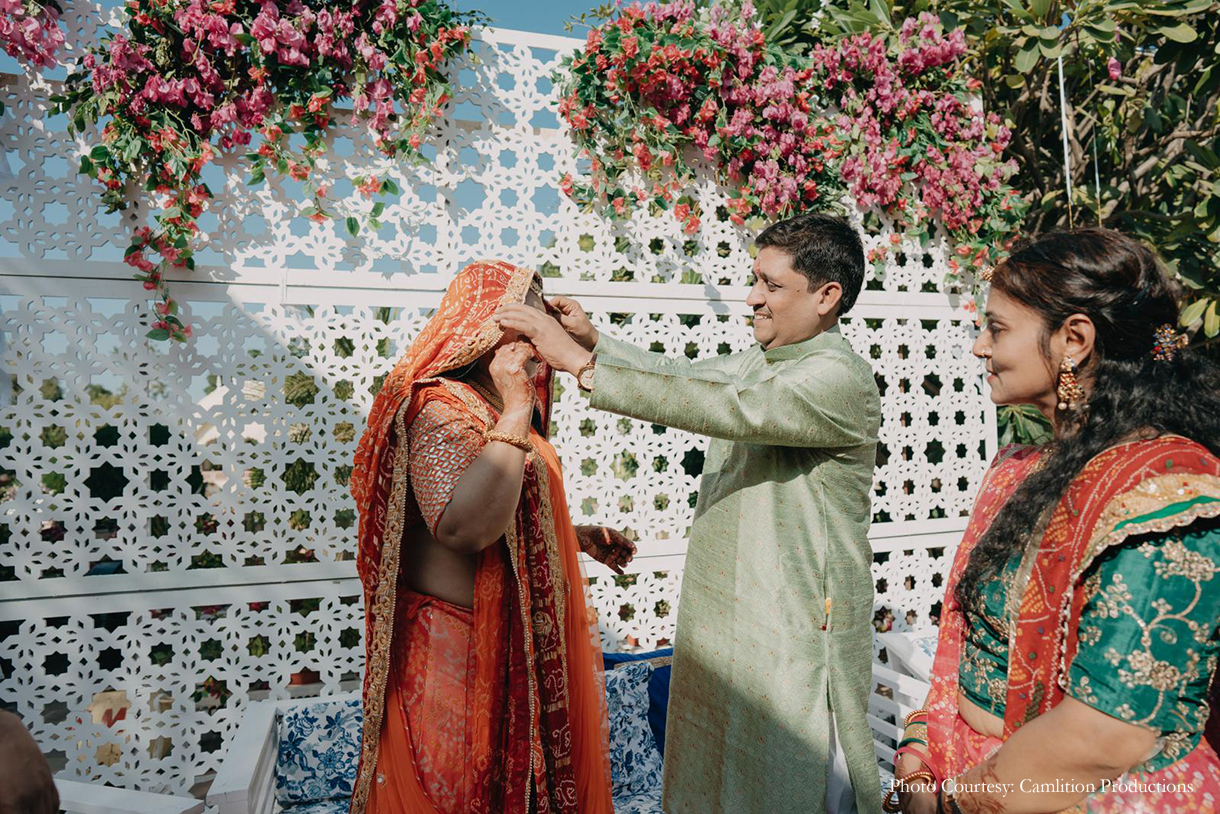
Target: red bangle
<point>924,759</point>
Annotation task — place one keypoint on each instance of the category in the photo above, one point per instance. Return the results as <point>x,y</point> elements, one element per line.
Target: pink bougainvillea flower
<point>212,73</point>
<point>1115,68</point>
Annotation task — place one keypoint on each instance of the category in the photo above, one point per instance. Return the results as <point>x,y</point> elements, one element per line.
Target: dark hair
<point>1118,284</point>
<point>825,249</point>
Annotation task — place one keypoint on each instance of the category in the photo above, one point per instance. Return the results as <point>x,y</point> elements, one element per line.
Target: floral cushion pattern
<point>340,806</point>
<point>647,803</point>
<point>635,761</point>
<point>319,746</point>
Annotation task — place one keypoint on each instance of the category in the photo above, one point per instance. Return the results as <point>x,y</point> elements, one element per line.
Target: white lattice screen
<point>175,529</point>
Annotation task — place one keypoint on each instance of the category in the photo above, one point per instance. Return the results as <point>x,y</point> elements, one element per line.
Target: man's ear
<point>828,297</point>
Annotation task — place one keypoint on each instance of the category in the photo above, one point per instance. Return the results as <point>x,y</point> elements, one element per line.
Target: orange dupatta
<point>531,674</point>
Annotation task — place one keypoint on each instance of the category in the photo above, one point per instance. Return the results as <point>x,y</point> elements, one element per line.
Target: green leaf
<point>1191,313</point>
<point>1211,322</point>
<point>353,226</point>
<point>1039,8</point>
<point>881,8</point>
<point>1026,59</point>
<point>158,334</point>
<point>389,187</point>
<point>1178,33</point>
<point>99,153</point>
<point>378,208</point>
<point>86,166</point>
<point>374,224</point>
<point>309,211</point>
<point>1018,10</point>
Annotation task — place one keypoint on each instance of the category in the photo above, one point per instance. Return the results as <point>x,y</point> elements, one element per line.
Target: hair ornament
<point>1166,342</point>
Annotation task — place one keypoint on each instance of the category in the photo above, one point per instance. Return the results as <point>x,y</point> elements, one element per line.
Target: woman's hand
<point>922,801</point>
<point>607,546</point>
<point>507,370</point>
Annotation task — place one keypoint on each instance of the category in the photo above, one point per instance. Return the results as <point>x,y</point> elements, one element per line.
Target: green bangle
<point>907,741</point>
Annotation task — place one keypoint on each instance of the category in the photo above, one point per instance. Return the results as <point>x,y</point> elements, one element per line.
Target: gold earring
<point>1068,387</point>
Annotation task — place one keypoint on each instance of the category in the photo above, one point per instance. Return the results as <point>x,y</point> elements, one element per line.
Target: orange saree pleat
<point>426,741</point>
<point>586,682</point>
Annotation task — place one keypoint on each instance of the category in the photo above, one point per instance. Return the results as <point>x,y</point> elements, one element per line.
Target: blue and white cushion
<point>635,761</point>
<point>337,806</point>
<point>647,803</point>
<point>318,752</point>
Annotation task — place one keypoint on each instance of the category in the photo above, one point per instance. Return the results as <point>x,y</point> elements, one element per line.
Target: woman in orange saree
<point>1080,629</point>
<point>483,689</point>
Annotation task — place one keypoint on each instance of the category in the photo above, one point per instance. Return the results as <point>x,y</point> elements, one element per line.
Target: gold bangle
<point>521,442</point>
<point>907,720</point>
<point>890,803</point>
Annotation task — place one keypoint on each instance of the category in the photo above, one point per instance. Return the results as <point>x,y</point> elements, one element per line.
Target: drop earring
<point>1068,386</point>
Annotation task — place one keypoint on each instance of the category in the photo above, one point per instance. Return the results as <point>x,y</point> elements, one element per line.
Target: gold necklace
<point>491,397</point>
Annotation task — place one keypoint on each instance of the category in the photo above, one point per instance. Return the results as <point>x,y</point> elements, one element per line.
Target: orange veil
<point>537,676</point>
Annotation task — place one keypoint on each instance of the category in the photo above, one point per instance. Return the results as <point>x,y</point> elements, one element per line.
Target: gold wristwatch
<point>584,376</point>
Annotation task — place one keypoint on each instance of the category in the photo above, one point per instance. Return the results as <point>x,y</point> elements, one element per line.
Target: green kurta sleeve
<point>716,368</point>
<point>1148,636</point>
<point>827,399</point>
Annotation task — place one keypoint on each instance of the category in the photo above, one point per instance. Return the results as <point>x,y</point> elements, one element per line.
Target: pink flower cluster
<point>29,31</point>
<point>708,78</point>
<point>918,148</point>
<point>190,74</point>
<point>905,139</point>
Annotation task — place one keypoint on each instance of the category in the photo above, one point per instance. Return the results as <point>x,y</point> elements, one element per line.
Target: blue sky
<point>545,17</point>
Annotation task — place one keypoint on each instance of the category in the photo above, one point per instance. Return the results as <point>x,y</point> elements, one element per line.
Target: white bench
<point>886,714</point>
<point>76,797</point>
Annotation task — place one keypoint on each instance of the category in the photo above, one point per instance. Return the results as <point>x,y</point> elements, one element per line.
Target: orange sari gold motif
<point>500,707</point>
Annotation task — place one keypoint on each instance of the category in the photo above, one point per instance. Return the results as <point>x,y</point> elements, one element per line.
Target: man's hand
<point>576,322</point>
<point>607,546</point>
<point>553,344</point>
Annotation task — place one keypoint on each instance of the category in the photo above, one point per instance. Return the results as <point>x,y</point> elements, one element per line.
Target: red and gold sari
<point>497,708</point>
<point>1131,489</point>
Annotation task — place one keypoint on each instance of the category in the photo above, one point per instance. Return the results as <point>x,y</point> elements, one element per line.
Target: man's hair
<point>825,249</point>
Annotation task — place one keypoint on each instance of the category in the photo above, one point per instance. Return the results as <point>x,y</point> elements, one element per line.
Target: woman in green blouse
<point>1079,632</point>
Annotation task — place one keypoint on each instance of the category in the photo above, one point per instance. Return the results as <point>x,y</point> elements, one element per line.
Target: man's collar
<point>800,349</point>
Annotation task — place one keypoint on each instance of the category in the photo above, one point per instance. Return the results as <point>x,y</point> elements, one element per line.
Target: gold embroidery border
<point>1147,496</point>
<point>1150,495</point>
<point>384,600</point>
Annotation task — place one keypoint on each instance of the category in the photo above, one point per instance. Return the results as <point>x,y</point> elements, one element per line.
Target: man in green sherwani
<point>773,651</point>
